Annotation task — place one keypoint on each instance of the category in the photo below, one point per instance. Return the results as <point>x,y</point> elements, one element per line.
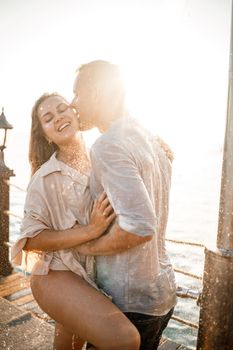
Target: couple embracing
<point>94,223</point>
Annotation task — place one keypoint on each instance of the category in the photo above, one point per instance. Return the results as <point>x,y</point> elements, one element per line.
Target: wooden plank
<point>14,289</point>
<point>23,300</point>
<point>21,293</point>
<point>30,305</point>
<point>169,345</point>
<point>10,278</point>
<point>19,280</point>
<point>13,276</point>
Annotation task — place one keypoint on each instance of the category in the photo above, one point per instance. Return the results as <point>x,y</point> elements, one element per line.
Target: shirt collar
<point>54,165</point>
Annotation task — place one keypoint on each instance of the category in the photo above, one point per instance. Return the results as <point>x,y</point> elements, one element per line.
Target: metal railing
<point>15,186</point>
<point>183,291</point>
<point>185,242</point>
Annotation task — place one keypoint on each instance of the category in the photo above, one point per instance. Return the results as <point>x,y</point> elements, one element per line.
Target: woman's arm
<point>101,217</point>
<point>114,242</point>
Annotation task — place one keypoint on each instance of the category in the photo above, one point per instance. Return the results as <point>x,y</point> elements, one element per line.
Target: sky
<point>174,55</point>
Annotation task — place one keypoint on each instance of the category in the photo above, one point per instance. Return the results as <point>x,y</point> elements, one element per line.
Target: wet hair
<point>40,150</point>
<point>100,70</point>
<point>107,77</point>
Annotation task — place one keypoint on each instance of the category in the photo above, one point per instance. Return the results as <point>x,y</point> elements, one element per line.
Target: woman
<point>58,218</point>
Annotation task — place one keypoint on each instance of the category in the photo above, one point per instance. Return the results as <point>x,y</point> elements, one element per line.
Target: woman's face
<point>58,120</point>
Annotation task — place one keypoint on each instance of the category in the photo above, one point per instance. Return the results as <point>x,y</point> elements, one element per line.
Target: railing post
<point>216,314</point>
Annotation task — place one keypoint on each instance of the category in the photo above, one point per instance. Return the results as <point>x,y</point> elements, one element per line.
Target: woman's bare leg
<point>84,311</point>
<point>66,340</point>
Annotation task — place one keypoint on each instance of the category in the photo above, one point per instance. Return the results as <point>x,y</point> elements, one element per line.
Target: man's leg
<point>150,328</point>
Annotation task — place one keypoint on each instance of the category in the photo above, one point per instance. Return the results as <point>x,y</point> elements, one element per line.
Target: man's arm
<point>121,179</point>
<point>115,241</point>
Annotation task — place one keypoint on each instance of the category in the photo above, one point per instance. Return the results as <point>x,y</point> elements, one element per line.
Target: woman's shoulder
<point>36,182</point>
<point>41,176</point>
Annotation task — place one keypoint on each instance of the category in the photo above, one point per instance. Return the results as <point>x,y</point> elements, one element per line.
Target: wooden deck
<point>16,289</point>
<point>16,298</point>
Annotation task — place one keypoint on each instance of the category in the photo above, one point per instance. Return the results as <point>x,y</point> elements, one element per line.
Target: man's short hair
<point>100,71</point>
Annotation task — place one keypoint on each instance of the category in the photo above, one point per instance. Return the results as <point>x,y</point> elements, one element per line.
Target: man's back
<point>132,167</point>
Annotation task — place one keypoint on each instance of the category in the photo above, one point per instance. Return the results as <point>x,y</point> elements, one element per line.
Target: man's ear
<point>97,96</point>
<point>95,93</point>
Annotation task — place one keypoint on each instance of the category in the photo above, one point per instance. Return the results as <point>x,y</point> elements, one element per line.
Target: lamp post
<point>5,174</point>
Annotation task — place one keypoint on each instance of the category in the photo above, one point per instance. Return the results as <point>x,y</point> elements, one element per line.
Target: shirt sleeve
<point>36,219</point>
<point>120,177</point>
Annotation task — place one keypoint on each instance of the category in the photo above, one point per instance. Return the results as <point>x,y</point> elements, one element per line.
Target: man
<point>134,169</point>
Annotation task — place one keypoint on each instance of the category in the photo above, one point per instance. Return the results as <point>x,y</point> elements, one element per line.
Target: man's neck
<point>106,123</point>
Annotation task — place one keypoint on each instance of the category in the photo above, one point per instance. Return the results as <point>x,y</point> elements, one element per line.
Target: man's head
<point>99,94</point>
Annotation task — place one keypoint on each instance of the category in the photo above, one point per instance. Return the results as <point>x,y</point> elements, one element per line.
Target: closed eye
<point>47,117</point>
<point>62,107</point>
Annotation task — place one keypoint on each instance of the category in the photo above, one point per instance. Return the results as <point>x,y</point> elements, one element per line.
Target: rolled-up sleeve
<point>120,177</point>
<point>36,219</point>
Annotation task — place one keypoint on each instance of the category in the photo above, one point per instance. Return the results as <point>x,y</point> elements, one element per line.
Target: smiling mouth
<point>63,126</point>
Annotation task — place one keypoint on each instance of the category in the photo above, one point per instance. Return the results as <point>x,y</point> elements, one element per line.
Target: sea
<point>193,217</point>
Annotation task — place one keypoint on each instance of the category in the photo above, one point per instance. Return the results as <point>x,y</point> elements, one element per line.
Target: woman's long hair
<point>40,150</point>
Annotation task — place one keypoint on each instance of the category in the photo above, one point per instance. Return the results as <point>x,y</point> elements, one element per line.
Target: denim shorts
<point>150,328</point>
